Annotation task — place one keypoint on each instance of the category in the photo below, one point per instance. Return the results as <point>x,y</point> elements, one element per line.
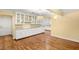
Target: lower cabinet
<point>28,32</point>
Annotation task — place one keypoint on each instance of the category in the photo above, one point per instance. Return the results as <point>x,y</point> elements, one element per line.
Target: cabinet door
<point>22,18</point>
<point>26,18</point>
<point>18,19</point>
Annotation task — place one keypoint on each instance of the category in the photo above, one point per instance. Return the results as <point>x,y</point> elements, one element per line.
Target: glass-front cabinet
<point>18,19</point>
<point>23,19</point>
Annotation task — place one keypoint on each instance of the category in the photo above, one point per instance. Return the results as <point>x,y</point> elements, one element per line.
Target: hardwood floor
<point>42,41</point>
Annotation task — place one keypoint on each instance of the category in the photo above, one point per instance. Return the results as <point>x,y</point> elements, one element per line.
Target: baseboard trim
<point>6,35</point>
<point>66,38</point>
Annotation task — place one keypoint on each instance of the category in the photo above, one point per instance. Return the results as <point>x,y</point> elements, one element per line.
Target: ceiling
<point>66,11</point>
<point>40,11</point>
<point>44,12</point>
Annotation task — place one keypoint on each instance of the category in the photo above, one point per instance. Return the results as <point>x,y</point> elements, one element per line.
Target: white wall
<point>5,25</point>
<point>45,22</point>
<point>66,26</point>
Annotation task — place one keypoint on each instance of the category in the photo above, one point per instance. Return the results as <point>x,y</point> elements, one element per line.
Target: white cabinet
<point>28,32</point>
<point>18,18</point>
<point>22,18</point>
<point>25,24</point>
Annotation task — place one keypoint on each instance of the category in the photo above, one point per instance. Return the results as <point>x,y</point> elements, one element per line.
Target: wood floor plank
<point>8,43</point>
<point>43,41</point>
<point>1,43</point>
<point>63,44</point>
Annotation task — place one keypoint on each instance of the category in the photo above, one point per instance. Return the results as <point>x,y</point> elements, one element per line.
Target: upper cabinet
<point>18,18</point>
<point>24,19</point>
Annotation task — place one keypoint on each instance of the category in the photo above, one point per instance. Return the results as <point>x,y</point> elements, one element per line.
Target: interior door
<point>5,25</point>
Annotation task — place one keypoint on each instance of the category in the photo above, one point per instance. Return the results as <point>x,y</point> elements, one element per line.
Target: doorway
<point>5,25</point>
